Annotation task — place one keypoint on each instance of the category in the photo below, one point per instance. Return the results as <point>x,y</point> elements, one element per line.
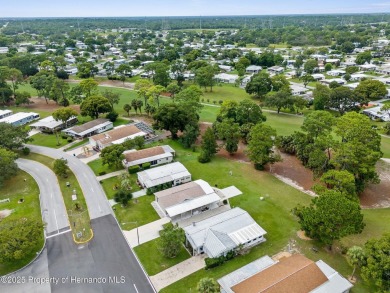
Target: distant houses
<point>20,118</point>
<point>90,128</point>
<point>293,274</point>
<point>224,232</point>
<point>155,156</point>
<point>50,125</point>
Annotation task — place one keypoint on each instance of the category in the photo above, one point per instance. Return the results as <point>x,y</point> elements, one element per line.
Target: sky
<point>110,8</point>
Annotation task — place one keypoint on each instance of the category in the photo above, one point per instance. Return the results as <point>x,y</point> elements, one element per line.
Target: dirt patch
<point>5,213</point>
<point>301,234</point>
<point>378,195</point>
<point>117,83</point>
<point>39,104</point>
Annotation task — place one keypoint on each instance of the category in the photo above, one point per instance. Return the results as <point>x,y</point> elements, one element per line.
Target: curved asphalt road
<point>105,264</point>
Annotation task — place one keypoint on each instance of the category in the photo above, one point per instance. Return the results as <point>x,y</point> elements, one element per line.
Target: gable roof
<point>294,274</point>
<point>117,134</point>
<point>149,154</point>
<point>89,126</point>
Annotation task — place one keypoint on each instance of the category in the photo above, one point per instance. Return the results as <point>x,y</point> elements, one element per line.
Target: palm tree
<point>355,257</point>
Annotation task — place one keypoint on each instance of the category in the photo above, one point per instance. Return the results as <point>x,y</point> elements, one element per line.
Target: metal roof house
<point>224,232</point>
<point>116,136</point>
<point>49,124</point>
<point>174,174</point>
<point>5,113</point>
<point>20,118</point>
<point>89,128</point>
<point>294,274</point>
<point>155,156</point>
<point>186,200</point>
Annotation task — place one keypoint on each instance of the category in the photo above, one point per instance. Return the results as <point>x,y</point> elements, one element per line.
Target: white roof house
<point>377,113</point>
<point>224,232</point>
<point>156,156</point>
<point>5,113</point>
<point>20,118</point>
<point>89,128</point>
<point>226,78</point>
<point>186,200</point>
<point>174,173</point>
<point>295,273</point>
<point>49,124</point>
<point>253,69</point>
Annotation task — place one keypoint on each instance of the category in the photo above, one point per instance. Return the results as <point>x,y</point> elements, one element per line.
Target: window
<point>153,162</point>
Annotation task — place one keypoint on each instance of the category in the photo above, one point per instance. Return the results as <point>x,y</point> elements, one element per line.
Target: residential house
<point>336,72</point>
<point>172,174</point>
<point>5,113</point>
<point>293,274</point>
<point>224,232</point>
<point>192,198</point>
<point>276,70</point>
<point>90,128</point>
<point>297,90</point>
<point>253,69</point>
<point>50,125</point>
<point>368,67</point>
<point>116,136</point>
<point>318,76</point>
<point>329,81</point>
<point>226,78</point>
<point>358,77</point>
<point>376,113</point>
<point>155,156</point>
<point>20,118</point>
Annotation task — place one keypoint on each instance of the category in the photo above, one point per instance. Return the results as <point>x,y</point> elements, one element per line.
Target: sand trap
<point>5,213</point>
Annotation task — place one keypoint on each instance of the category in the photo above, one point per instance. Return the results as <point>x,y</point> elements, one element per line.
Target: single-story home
<point>186,200</point>
<point>276,70</point>
<point>5,113</point>
<point>89,128</point>
<point>297,90</point>
<point>376,113</point>
<point>293,274</point>
<point>358,77</point>
<point>368,67</point>
<point>115,136</point>
<point>329,81</point>
<point>20,118</point>
<point>318,76</point>
<point>253,69</point>
<point>226,78</point>
<point>173,174</point>
<point>336,72</point>
<point>50,125</point>
<point>155,156</point>
<point>224,232</point>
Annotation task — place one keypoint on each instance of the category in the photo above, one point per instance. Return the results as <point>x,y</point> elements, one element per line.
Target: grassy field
<point>78,144</point>
<point>273,214</point>
<point>15,189</point>
<point>156,262</point>
<point>48,140</point>
<point>98,167</point>
<point>79,219</point>
<point>225,92</point>
<point>385,147</point>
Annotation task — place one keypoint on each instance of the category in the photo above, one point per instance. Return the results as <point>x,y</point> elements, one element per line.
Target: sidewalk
<point>178,272</point>
<point>146,232</point>
<point>109,175</point>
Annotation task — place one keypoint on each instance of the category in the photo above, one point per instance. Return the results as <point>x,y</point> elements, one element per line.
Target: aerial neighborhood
<point>195,154</point>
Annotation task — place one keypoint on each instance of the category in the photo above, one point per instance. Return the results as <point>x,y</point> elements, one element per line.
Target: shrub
<point>69,139</point>
<point>112,116</point>
<point>102,173</point>
<point>25,151</point>
<point>145,165</point>
<point>217,261</point>
<point>133,169</point>
<point>204,158</point>
<point>149,191</point>
<point>64,136</point>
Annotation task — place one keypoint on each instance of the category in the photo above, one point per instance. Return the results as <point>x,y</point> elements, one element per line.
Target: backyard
<point>22,186</point>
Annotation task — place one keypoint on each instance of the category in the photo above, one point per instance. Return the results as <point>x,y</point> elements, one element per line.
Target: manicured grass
<point>98,167</point>
<point>48,140</point>
<point>79,219</point>
<point>110,183</point>
<point>273,214</point>
<point>284,124</point>
<point>385,147</point>
<point>209,113</point>
<point>77,145</point>
<point>225,92</point>
<point>120,121</point>
<point>15,189</point>
<point>154,261</point>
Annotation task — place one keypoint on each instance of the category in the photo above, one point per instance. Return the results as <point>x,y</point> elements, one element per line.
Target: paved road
<point>95,197</point>
<point>106,257</point>
<point>52,205</point>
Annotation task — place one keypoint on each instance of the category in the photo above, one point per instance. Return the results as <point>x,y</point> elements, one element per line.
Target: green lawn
<point>156,262</point>
<point>110,183</point>
<point>284,124</point>
<point>79,219</point>
<point>225,92</point>
<point>15,189</point>
<point>273,214</point>
<point>385,147</point>
<point>98,167</point>
<point>48,140</point>
<point>78,144</point>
